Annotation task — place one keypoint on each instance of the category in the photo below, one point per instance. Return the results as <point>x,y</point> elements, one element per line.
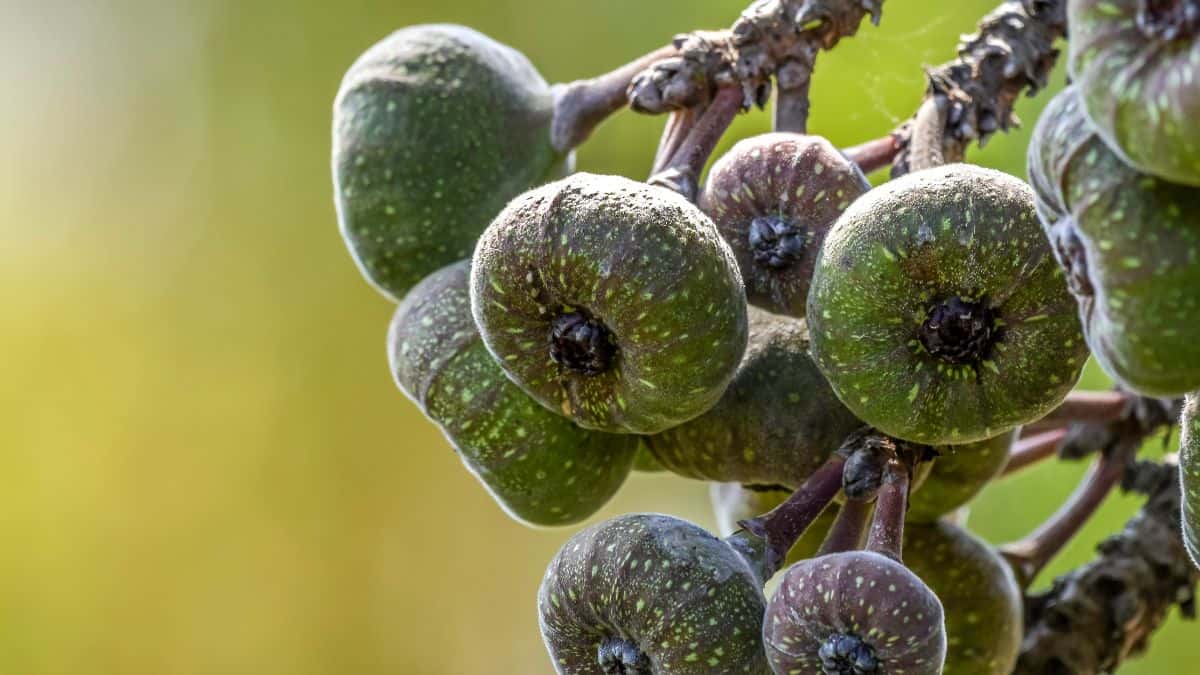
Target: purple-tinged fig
<point>435,129</point>
<point>1130,247</point>
<point>982,603</point>
<point>539,467</point>
<point>777,421</point>
<point>613,302</point>
<point>647,594</point>
<point>773,198</point>
<point>1137,66</point>
<point>937,311</point>
<point>958,474</point>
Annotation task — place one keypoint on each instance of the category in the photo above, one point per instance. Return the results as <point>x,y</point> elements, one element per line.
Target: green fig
<point>773,197</point>
<point>1130,246</point>
<point>645,462</point>
<point>540,468</point>
<point>1137,65</point>
<point>983,605</point>
<point>852,613</point>
<point>958,474</point>
<point>647,594</point>
<point>435,129</point>
<point>733,503</point>
<point>775,424</point>
<point>613,302</point>
<point>937,311</point>
<point>1189,472</point>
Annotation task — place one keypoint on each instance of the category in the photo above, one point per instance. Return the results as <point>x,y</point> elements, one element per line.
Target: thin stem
<point>1084,406</point>
<point>791,109</point>
<point>926,149</point>
<point>887,530</point>
<point>580,106</point>
<point>781,527</point>
<point>682,172</point>
<point>1030,450</point>
<point>1029,556</point>
<point>874,155</point>
<point>848,528</point>
<point>679,125</point>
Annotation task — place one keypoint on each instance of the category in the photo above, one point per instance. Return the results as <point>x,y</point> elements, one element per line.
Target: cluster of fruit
<point>565,329</point>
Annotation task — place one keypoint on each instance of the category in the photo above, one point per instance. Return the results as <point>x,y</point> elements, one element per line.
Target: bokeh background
<point>204,465</point>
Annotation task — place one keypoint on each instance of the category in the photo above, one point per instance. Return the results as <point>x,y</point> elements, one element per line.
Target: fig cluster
<point>847,366</point>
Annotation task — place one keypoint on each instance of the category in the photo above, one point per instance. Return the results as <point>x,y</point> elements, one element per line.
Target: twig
<point>1030,450</point>
<point>1085,406</point>
<point>682,171</point>
<point>874,155</point>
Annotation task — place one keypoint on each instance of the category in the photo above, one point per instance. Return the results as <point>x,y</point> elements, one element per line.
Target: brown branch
<point>874,155</point>
<point>1030,450</point>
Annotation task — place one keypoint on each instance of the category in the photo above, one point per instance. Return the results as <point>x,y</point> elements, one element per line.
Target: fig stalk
<point>682,171</point>
<point>875,154</point>
<point>848,528</point>
<point>1033,449</point>
<point>1084,406</point>
<point>887,530</point>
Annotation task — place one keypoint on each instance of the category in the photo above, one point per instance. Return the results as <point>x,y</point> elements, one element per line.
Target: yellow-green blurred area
<point>204,465</point>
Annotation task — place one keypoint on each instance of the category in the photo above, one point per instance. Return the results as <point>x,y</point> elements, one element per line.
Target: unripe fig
<point>645,462</point>
<point>435,129</point>
<point>1137,65</point>
<point>775,424</point>
<point>612,302</point>
<point>983,604</point>
<point>773,197</point>
<point>1189,472</point>
<point>937,311</point>
<point>958,474</point>
<point>854,613</point>
<point>1130,245</point>
<point>647,594</point>
<point>733,503</point>
<point>540,468</point>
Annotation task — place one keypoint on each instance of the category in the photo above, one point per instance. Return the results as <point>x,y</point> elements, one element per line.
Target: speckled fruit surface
<point>773,197</point>
<point>733,503</point>
<point>612,302</point>
<point>938,313</point>
<point>541,468</point>
<point>776,423</point>
<point>1130,245</point>
<point>958,474</point>
<point>1137,64</point>
<point>435,129</point>
<point>1189,471</point>
<point>648,594</point>
<point>859,597</point>
<point>983,605</point>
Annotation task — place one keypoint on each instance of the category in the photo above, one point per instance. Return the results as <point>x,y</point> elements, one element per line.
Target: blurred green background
<point>204,465</point>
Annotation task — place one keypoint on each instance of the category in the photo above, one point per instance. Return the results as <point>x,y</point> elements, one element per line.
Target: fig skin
<point>773,197</point>
<point>733,503</point>
<point>435,129</point>
<point>539,467</point>
<point>1130,245</point>
<point>858,593</point>
<point>776,423</point>
<point>983,605</point>
<point>892,287</point>
<point>1189,476</point>
<point>644,461</point>
<point>664,303</point>
<point>661,588</point>
<point>958,474</point>
<point>1139,76</point>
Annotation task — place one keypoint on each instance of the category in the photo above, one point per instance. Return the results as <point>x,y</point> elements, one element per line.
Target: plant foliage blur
<point>204,465</point>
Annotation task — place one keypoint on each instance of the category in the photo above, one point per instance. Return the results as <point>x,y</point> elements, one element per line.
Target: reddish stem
<point>887,530</point>
<point>1030,450</point>
<point>1083,406</point>
<point>874,155</point>
<point>781,527</point>
<point>1029,556</point>
<point>580,106</point>
<point>682,171</point>
<point>679,125</point>
<point>848,528</point>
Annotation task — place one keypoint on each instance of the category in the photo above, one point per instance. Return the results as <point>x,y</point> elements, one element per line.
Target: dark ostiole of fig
<point>1129,244</point>
<point>649,594</point>
<point>982,603</point>
<point>611,302</point>
<point>1137,65</point>
<point>1189,475</point>
<point>541,468</point>
<point>773,197</point>
<point>937,311</point>
<point>857,612</point>
<point>435,129</point>
<point>776,422</point>
<point>957,475</point>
